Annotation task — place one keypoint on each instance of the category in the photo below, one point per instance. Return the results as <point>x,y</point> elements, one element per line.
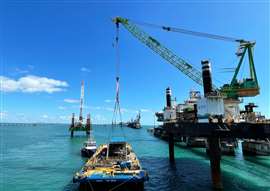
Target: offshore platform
<point>79,125</point>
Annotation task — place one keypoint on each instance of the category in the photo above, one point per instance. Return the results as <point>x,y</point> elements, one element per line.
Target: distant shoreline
<point>42,123</point>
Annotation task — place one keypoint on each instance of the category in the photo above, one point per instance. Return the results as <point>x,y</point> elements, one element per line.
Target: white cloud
<point>125,110</point>
<point>62,108</point>
<point>146,110</point>
<point>31,67</point>
<point>71,100</point>
<point>3,114</point>
<point>45,116</point>
<point>99,119</point>
<point>21,71</point>
<point>108,108</point>
<point>84,69</point>
<point>101,108</point>
<point>108,100</point>
<point>64,118</point>
<point>31,84</point>
<point>95,107</point>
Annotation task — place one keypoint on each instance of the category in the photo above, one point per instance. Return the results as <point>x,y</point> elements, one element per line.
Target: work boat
<point>114,166</point>
<point>89,147</point>
<point>135,124</point>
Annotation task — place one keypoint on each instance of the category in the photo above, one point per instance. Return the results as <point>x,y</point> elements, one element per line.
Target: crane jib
<point>162,51</point>
<point>237,88</point>
<point>157,47</point>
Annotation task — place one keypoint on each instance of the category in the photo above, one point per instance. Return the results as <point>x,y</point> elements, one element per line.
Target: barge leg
<point>215,157</point>
<point>71,133</point>
<point>171,147</point>
<point>184,139</point>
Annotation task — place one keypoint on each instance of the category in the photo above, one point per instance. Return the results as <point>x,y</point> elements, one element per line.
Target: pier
<point>207,119</point>
<point>213,132</point>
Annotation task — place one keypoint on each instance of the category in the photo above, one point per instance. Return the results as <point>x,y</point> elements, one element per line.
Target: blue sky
<point>48,47</point>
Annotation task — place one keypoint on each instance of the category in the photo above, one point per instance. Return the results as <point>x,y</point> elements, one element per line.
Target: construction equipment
<point>81,102</point>
<point>78,125</point>
<point>244,88</point>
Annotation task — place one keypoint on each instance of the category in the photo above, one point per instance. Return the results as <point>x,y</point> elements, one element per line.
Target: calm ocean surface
<point>44,158</point>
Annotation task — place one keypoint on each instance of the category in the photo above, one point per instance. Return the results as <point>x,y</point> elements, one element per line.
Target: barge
<point>114,166</point>
<point>199,142</point>
<point>256,147</point>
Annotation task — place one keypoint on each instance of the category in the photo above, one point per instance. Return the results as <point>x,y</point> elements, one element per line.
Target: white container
<point>212,105</point>
<point>169,114</point>
<point>232,110</point>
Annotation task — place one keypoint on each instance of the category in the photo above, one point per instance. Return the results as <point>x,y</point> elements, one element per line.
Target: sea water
<point>43,157</point>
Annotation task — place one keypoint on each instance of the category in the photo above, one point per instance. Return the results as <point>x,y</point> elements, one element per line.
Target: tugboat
<point>114,166</point>
<point>89,147</point>
<point>135,124</point>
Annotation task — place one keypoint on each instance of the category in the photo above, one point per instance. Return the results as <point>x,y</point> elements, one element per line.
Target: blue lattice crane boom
<point>245,88</point>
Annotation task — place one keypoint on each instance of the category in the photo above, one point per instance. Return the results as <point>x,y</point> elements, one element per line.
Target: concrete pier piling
<point>213,141</point>
<point>72,124</point>
<point>215,157</point>
<point>171,147</point>
<point>88,124</point>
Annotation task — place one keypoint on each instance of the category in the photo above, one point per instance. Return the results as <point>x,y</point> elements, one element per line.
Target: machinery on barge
<point>114,165</point>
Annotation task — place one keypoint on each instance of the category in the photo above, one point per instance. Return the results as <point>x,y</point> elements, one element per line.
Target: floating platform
<point>199,142</point>
<point>135,124</point>
<point>79,126</point>
<point>113,165</point>
<point>256,147</point>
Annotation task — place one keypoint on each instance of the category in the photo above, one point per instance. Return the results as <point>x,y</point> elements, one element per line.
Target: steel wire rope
<point>221,81</point>
<point>188,32</point>
<point>92,188</point>
<point>121,184</point>
<point>117,108</point>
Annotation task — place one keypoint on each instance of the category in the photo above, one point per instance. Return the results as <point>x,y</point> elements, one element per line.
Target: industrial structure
<point>135,124</point>
<point>79,126</point>
<point>216,115</point>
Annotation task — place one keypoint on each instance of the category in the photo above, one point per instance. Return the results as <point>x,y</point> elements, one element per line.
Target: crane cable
<point>190,32</point>
<point>117,108</point>
<point>193,33</point>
